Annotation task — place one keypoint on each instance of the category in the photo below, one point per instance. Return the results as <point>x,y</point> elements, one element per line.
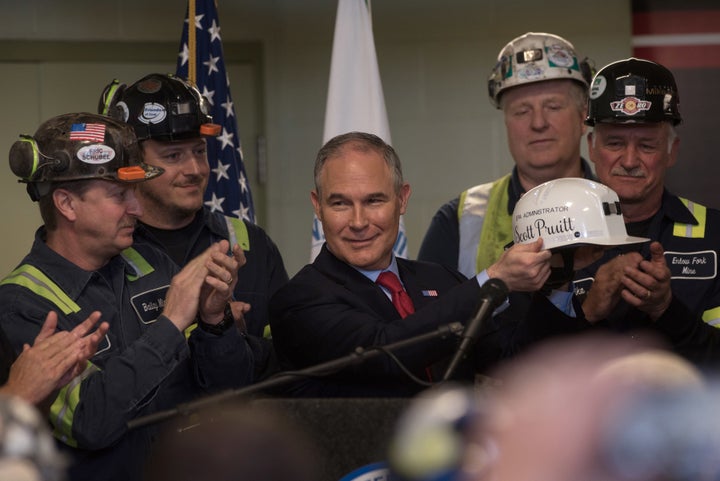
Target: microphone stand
<point>493,293</point>
<point>359,355</point>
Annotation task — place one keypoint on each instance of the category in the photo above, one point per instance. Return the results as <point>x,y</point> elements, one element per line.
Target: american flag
<point>201,62</point>
<point>91,132</point>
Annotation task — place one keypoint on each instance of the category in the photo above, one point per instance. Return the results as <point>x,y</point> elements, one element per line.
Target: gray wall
<point>434,60</point>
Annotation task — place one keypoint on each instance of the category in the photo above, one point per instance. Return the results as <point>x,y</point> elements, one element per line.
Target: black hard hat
<point>78,146</point>
<point>160,107</point>
<point>633,91</point>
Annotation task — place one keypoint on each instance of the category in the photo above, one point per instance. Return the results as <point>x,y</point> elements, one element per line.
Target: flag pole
<point>192,59</point>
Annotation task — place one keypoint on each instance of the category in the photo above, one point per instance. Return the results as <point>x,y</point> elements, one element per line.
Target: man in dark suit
<point>334,305</point>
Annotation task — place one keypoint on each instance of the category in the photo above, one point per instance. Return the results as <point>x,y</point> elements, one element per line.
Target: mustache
<point>191,180</point>
<point>636,172</point>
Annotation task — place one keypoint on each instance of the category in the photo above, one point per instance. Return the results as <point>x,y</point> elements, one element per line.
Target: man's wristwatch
<point>227,322</point>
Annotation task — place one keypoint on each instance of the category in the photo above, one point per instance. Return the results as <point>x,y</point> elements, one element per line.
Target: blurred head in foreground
<point>585,408</point>
<point>233,444</point>
<point>600,409</point>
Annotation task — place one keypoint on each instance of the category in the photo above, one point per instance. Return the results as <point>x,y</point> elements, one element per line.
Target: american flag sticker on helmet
<point>91,132</point>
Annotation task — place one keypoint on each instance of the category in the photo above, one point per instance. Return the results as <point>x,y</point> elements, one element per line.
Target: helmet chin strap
<point>559,276</point>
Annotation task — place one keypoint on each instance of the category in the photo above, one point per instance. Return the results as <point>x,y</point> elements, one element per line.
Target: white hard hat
<point>570,212</point>
<point>27,448</point>
<point>534,57</point>
<point>432,437</point>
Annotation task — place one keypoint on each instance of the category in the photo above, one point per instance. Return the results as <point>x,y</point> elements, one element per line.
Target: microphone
<point>492,294</point>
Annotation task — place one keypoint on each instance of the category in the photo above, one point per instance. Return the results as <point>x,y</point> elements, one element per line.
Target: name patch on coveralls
<point>692,265</point>
<point>149,305</point>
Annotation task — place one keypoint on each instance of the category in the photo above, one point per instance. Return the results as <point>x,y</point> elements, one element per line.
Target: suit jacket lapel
<point>358,285</point>
<point>413,284</point>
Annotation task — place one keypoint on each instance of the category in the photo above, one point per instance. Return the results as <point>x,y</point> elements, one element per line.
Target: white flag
<point>355,100</point>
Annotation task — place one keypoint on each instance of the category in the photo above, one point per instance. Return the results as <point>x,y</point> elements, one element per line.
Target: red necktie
<point>400,298</point>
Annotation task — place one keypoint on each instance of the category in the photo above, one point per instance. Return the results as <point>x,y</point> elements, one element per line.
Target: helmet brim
<point>608,242</point>
<point>138,173</point>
